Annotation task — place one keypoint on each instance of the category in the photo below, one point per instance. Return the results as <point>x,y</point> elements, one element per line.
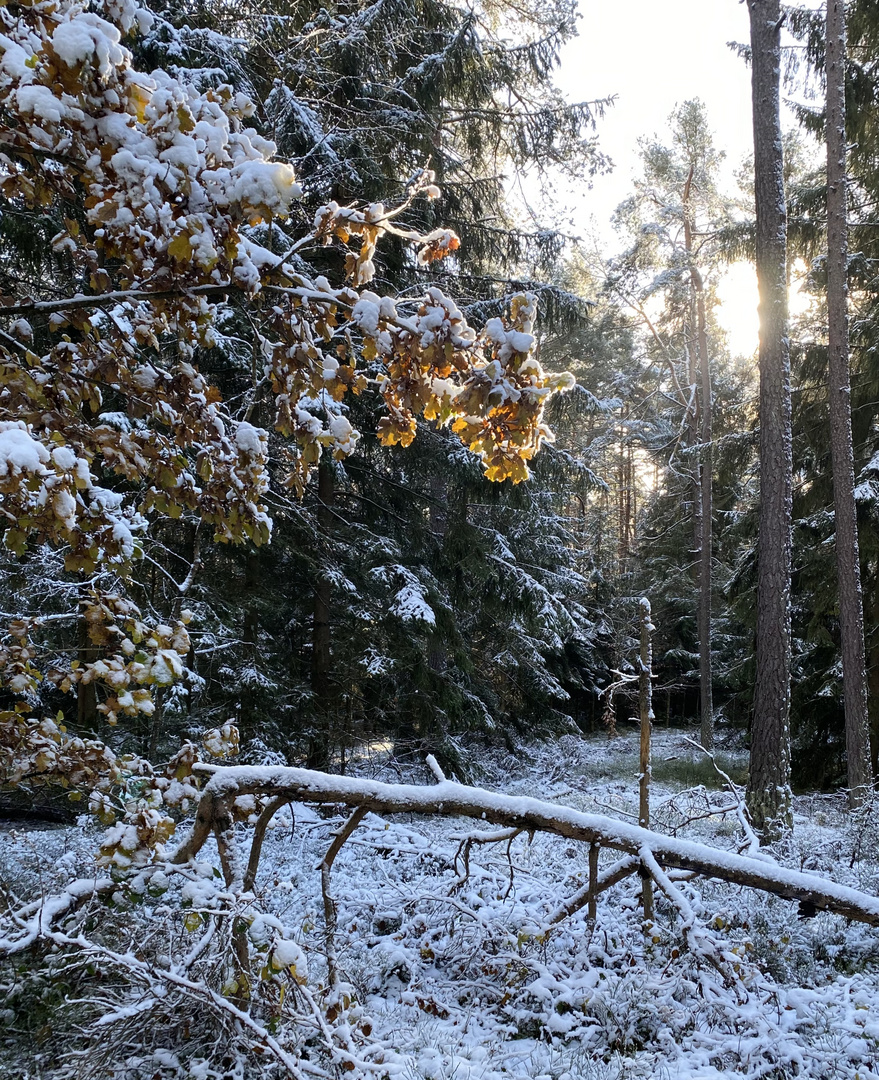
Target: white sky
<point>653,55</point>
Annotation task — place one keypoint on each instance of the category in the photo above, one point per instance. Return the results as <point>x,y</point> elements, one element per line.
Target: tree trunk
<point>701,519</point>
<point>693,439</point>
<point>769,795</point>
<point>622,546</point>
<point>851,614</point>
<point>321,658</point>
<point>645,695</point>
<point>450,799</point>
<point>873,667</point>
<point>706,701</point>
<point>249,633</point>
<point>86,693</point>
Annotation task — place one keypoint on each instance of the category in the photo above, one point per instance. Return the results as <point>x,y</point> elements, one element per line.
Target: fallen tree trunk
<point>457,800</point>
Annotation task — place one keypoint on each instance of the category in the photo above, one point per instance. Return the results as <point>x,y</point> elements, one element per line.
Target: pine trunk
<point>769,795</point>
<point>702,519</point>
<point>86,693</point>
<point>645,698</point>
<point>851,615</point>
<point>706,703</point>
<point>872,607</point>
<point>693,440</point>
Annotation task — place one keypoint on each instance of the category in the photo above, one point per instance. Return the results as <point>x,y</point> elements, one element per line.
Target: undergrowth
<point>446,976</point>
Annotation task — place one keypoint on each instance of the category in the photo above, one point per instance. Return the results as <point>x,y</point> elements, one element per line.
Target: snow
<point>40,101</point>
<point>88,38</point>
<point>410,605</point>
<point>19,452</point>
<point>367,312</point>
<point>287,954</point>
<point>445,798</point>
<point>453,975</point>
<point>64,505</point>
<point>145,377</point>
<point>520,342</point>
<point>250,440</point>
<point>64,458</point>
<point>262,183</point>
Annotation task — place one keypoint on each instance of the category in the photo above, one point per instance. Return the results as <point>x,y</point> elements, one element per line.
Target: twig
<point>615,873</point>
<point>259,832</point>
<point>753,845</point>
<point>329,904</point>
<point>466,842</point>
<point>700,942</point>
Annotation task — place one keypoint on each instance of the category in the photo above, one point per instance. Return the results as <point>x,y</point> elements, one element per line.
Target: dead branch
<point>598,884</point>
<point>325,867</point>
<point>37,918</point>
<point>150,974</point>
<point>458,800</point>
<point>699,941</point>
<point>752,841</point>
<point>463,852</point>
<point>259,832</point>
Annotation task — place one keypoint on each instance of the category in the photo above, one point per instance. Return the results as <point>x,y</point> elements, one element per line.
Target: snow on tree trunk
<point>702,506</point>
<point>321,658</point>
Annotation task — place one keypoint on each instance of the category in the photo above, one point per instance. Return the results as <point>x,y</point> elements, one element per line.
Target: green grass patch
<point>691,771</point>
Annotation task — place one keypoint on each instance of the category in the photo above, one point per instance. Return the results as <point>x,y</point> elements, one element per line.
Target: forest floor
<point>461,980</point>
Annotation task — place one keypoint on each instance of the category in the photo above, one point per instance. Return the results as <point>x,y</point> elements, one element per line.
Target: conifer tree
<point>172,193</point>
<point>769,796</point>
<point>839,395</point>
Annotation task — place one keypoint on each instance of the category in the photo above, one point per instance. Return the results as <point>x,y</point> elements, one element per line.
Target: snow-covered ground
<point>448,975</point>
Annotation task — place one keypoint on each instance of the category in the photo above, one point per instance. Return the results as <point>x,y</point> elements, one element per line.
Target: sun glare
<point>737,309</point>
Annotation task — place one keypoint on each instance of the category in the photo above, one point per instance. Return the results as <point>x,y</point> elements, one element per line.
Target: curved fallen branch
<point>451,799</point>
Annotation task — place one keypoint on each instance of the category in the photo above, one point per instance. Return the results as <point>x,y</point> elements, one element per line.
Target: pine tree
<point>672,219</point>
<point>769,796</point>
<point>839,395</point>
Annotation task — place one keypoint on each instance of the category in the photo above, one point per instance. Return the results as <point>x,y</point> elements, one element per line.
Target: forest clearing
<point>439,634</point>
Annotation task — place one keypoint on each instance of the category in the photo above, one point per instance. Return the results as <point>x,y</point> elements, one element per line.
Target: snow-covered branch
<point>458,800</point>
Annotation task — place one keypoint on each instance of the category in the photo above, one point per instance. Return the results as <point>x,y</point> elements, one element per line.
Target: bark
<point>702,518</point>
<point>450,799</point>
<point>873,666</point>
<point>622,517</point>
<point>692,440</point>
<point>438,514</point>
<point>706,699</point>
<point>321,656</point>
<point>645,695</point>
<point>86,693</point>
<point>769,795</point>
<point>851,613</point>
<point>645,698</point>
<point>157,721</point>
<point>249,635</point>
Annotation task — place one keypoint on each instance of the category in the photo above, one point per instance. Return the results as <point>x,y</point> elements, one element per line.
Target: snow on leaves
<point>170,180</point>
<point>105,421</point>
